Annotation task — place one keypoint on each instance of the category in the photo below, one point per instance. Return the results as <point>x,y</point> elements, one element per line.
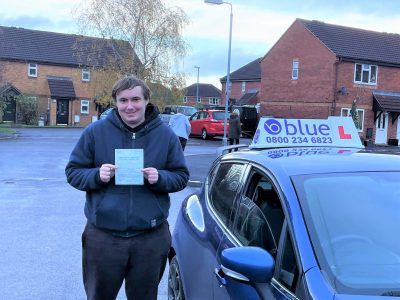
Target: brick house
<point>245,85</point>
<point>316,70</point>
<point>57,70</point>
<point>208,95</point>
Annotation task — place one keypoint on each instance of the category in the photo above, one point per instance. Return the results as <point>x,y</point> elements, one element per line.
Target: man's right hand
<point>107,171</point>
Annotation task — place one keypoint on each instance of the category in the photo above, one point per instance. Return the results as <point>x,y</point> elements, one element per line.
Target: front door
<point>62,112</point>
<point>10,110</point>
<point>381,128</point>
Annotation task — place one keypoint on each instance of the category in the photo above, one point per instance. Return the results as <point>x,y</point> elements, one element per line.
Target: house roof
<point>9,88</point>
<point>357,44</point>
<point>249,72</point>
<point>386,101</point>
<point>248,99</point>
<point>205,90</point>
<point>20,44</point>
<point>61,87</point>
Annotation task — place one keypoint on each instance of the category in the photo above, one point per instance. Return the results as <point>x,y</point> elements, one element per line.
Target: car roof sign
<point>331,132</point>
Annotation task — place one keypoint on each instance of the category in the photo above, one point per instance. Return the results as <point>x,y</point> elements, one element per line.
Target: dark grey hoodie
<point>127,209</point>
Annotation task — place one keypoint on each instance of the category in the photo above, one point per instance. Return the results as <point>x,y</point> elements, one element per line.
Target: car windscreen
<point>218,115</point>
<point>353,220</point>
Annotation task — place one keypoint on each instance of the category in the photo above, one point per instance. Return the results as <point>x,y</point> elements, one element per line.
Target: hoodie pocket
<point>111,211</point>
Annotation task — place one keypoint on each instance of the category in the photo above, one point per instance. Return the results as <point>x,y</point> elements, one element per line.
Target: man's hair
<point>127,83</point>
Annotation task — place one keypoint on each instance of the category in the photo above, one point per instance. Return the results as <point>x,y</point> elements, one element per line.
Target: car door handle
<point>220,277</point>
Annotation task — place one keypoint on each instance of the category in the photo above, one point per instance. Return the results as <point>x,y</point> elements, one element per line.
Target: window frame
<point>243,87</point>
<point>185,99</point>
<point>86,72</point>
<point>345,112</point>
<point>295,69</point>
<point>286,236</point>
<point>213,100</point>
<point>85,103</point>
<point>32,67</point>
<point>365,68</point>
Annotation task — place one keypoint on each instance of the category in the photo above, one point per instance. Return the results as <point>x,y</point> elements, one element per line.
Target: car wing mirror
<point>243,269</point>
<point>251,264</point>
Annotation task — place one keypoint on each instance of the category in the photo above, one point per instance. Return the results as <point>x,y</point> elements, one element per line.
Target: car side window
<point>223,189</point>
<point>260,216</point>
<point>250,226</point>
<point>289,271</point>
<point>195,116</point>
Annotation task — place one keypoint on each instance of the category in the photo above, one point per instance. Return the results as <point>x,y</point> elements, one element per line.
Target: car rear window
<point>218,115</point>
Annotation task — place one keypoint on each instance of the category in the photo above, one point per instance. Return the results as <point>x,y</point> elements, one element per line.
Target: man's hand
<point>107,171</point>
<point>151,174</point>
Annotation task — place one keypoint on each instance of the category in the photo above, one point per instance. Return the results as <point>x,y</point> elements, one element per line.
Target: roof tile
<point>357,44</point>
<point>57,48</point>
<point>205,90</point>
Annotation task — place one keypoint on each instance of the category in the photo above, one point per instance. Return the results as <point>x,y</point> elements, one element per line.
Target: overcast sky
<point>257,25</point>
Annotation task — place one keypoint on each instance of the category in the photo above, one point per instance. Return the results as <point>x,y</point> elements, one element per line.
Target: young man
<point>127,235</point>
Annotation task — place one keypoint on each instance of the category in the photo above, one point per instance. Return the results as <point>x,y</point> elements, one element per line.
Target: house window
<point>185,99</point>
<point>85,74</point>
<point>359,122</point>
<point>213,101</point>
<point>85,107</point>
<point>365,74</point>
<point>198,100</point>
<point>32,70</point>
<point>243,87</point>
<point>295,70</point>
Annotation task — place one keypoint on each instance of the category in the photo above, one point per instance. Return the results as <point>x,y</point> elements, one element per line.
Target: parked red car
<point>208,123</point>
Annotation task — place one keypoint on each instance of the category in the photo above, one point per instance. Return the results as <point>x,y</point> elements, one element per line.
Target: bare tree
<point>153,30</point>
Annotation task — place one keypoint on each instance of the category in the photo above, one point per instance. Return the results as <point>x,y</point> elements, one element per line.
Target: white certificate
<point>129,164</point>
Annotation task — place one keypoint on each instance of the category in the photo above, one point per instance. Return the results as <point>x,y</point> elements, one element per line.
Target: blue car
<point>302,213</point>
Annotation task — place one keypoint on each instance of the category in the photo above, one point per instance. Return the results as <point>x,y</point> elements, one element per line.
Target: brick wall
<point>191,101</point>
<point>316,75</point>
<point>236,89</point>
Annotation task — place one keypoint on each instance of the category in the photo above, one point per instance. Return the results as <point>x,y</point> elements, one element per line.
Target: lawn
<point>4,129</point>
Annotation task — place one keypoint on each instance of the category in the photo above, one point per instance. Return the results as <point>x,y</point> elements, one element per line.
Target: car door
<point>260,220</point>
<point>222,196</point>
<point>195,123</point>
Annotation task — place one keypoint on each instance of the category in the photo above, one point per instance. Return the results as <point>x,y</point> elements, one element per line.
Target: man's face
<point>131,106</point>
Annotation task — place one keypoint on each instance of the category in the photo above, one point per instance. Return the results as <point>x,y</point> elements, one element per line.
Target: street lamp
<point>227,88</point>
<point>197,87</point>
